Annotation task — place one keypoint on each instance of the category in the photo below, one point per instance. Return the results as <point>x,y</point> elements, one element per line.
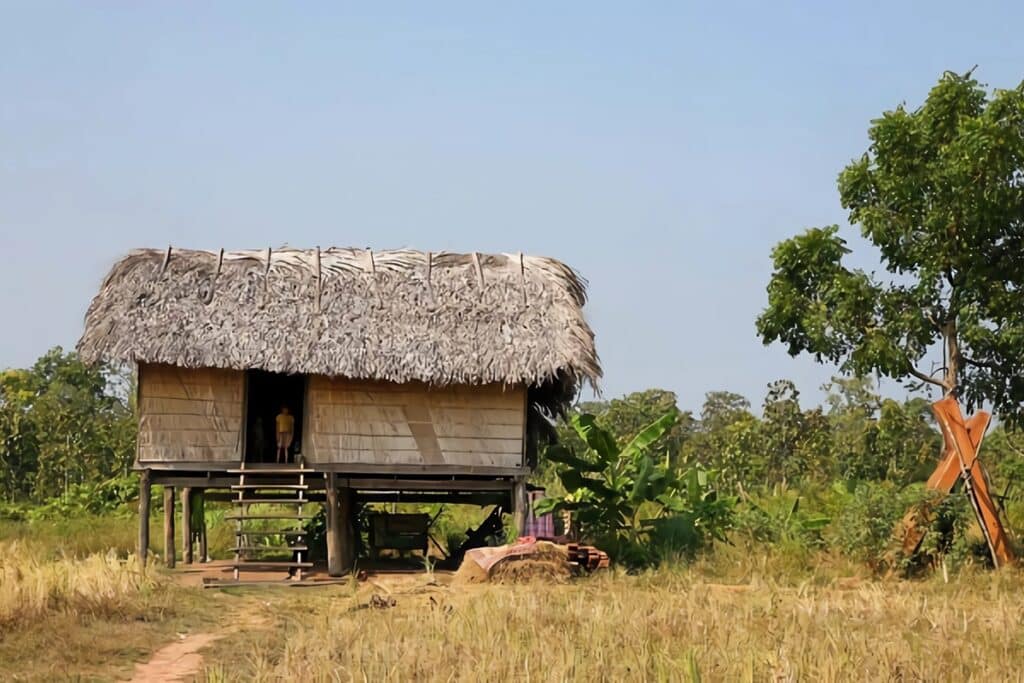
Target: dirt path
<point>175,662</point>
<point>181,660</point>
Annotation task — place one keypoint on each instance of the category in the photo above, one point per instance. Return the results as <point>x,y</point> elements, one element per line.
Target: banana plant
<point>615,490</point>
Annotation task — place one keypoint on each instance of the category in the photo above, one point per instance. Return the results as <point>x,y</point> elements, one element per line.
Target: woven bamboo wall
<point>368,423</point>
<point>189,415</point>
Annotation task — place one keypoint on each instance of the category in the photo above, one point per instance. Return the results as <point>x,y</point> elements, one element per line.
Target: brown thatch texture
<point>394,315</point>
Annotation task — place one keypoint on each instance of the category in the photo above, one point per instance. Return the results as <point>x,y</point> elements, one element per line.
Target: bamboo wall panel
<point>367,423</point>
<point>189,415</point>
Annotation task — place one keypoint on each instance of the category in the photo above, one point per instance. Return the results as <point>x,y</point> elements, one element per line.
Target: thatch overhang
<point>401,316</point>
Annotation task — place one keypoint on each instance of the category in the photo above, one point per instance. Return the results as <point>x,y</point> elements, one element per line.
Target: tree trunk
<point>954,360</point>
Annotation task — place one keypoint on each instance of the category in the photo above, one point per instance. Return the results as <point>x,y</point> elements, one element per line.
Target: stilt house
<point>410,375</point>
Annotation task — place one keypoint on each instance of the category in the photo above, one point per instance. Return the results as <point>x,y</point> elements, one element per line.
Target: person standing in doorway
<point>285,423</point>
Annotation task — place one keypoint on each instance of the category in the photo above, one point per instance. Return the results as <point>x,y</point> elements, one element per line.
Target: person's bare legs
<point>286,444</point>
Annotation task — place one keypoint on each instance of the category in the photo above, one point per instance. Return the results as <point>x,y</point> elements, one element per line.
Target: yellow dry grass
<point>82,618</point>
<point>32,588</point>
<point>664,625</point>
<point>733,618</point>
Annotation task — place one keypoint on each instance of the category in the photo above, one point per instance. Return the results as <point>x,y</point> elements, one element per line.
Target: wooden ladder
<point>283,490</point>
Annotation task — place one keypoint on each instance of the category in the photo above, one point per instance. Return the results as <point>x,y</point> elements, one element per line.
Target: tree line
<point>63,423</point>
<point>857,435</point>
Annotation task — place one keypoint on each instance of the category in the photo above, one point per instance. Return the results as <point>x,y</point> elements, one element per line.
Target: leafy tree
<point>19,446</point>
<point>875,438</point>
<point>905,441</point>
<point>62,423</point>
<point>853,406</point>
<point>940,194</point>
<point>727,438</point>
<point>735,450</point>
<point>722,408</point>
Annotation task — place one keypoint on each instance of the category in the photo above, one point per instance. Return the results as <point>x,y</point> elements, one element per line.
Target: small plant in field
<point>782,519</point>
<point>867,526</point>
<point>638,505</point>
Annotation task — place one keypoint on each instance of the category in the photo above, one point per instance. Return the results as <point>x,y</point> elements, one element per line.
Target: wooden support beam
<point>453,498</point>
<point>169,551</point>
<point>334,559</point>
<point>204,555</point>
<point>346,524</point>
<point>186,525</point>
<point>144,491</point>
<point>520,505</point>
<point>341,545</point>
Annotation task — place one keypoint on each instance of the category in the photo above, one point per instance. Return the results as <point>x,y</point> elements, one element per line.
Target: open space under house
<point>410,377</point>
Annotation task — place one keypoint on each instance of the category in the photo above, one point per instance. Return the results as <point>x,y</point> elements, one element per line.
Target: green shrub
<point>783,518</point>
<point>109,497</point>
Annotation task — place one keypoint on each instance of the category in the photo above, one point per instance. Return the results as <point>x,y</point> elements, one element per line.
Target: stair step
<point>242,518</point>
<point>256,565</point>
<point>269,548</point>
<point>274,470</point>
<point>290,487</point>
<point>288,532</point>
<point>271,501</point>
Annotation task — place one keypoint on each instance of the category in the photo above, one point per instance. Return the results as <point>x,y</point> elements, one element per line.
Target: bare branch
<point>926,378</point>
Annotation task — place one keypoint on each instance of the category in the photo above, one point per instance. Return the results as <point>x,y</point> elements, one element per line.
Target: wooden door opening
<point>266,394</point>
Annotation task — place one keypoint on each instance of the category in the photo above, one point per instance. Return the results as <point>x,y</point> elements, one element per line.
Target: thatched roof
<point>393,315</point>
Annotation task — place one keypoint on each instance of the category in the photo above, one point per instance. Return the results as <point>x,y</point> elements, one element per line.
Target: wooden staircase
<point>280,494</point>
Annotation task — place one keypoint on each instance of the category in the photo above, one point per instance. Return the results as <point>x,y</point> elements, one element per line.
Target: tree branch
<point>979,363</point>
<point>926,378</point>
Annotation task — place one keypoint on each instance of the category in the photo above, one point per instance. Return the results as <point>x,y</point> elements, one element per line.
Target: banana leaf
<point>564,456</point>
<point>546,505</point>
<point>599,440</point>
<point>649,435</point>
<point>643,475</point>
<point>574,481</point>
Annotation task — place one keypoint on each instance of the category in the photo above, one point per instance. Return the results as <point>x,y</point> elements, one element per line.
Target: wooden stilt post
<point>520,505</point>
<point>186,525</point>
<point>144,490</point>
<point>204,556</point>
<point>169,526</point>
<point>346,526</point>
<point>335,564</point>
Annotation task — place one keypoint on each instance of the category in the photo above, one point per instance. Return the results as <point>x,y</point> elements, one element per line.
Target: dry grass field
<point>662,626</point>
<point>734,617</point>
<point>87,618</point>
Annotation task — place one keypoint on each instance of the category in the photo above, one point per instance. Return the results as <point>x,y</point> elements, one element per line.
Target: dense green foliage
<point>858,435</point>
<point>833,478</point>
<point>634,501</point>
<point>63,423</point>
<point>109,497</point>
<point>940,194</point>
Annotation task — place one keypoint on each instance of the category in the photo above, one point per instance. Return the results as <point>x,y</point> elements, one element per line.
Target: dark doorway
<point>266,393</point>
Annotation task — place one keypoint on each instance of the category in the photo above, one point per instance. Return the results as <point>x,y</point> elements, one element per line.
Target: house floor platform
<point>219,573</point>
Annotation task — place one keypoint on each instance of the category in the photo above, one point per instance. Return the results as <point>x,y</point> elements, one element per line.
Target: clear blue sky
<point>660,150</point>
